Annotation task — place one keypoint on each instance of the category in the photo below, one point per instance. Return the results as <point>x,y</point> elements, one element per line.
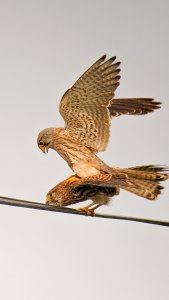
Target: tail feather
<point>146,189</point>
<point>149,172</point>
<point>150,168</point>
<point>144,180</point>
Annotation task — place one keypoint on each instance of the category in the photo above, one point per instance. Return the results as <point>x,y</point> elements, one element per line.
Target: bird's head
<point>56,196</point>
<point>63,193</point>
<point>45,139</point>
<point>51,199</point>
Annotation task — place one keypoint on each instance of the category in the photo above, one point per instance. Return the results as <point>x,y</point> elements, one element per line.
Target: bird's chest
<point>84,169</point>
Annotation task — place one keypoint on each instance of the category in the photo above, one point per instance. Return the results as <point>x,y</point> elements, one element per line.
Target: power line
<point>41,206</point>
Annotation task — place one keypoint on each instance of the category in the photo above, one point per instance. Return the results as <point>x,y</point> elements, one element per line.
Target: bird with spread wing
<point>87,109</point>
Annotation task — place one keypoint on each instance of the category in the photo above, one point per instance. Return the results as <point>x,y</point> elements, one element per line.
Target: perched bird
<point>143,181</point>
<point>87,109</point>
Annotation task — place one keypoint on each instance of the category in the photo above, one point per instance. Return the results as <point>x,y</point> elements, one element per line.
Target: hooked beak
<point>44,148</point>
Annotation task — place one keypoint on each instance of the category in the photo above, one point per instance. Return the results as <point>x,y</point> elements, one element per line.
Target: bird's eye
<point>41,143</point>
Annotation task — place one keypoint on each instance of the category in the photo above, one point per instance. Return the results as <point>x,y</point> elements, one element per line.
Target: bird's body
<point>81,159</point>
<point>71,191</point>
<point>87,109</point>
<point>144,181</point>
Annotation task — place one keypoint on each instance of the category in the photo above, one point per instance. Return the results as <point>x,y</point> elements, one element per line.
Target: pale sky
<point>44,47</point>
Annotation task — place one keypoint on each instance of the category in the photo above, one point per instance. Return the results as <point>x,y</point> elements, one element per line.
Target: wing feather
<point>132,106</point>
<point>84,107</point>
<point>88,106</point>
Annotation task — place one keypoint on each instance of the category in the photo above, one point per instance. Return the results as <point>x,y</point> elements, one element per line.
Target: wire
<point>41,206</point>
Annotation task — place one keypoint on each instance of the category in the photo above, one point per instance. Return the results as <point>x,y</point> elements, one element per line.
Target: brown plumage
<point>87,109</point>
<point>135,106</point>
<point>143,181</point>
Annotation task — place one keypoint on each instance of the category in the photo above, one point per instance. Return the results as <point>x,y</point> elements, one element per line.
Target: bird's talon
<point>87,211</point>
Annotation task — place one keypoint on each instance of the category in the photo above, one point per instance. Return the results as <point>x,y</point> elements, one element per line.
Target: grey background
<point>44,47</point>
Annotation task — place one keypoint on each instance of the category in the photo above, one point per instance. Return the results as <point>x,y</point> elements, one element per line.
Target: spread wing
<point>84,107</point>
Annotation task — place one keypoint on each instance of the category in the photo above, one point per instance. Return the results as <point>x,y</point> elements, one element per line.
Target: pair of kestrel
<point>87,109</point>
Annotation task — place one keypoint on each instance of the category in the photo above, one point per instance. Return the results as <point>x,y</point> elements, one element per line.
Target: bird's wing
<point>132,106</point>
<point>102,180</point>
<point>84,107</point>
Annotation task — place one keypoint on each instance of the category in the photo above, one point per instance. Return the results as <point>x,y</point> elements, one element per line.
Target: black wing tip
<point>117,78</point>
<point>111,59</point>
<point>117,64</point>
<point>117,69</point>
<point>115,85</point>
<point>103,57</point>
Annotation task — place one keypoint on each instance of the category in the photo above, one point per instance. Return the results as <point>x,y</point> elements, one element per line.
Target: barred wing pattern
<point>88,106</point>
<point>84,107</point>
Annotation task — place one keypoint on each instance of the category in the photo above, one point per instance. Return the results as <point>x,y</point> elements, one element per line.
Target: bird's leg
<point>86,208</point>
<point>90,211</point>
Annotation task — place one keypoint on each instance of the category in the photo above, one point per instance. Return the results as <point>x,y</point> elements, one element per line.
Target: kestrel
<point>87,109</point>
<point>142,181</point>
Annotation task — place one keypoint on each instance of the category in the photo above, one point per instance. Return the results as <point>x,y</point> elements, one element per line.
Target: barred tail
<point>145,180</point>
